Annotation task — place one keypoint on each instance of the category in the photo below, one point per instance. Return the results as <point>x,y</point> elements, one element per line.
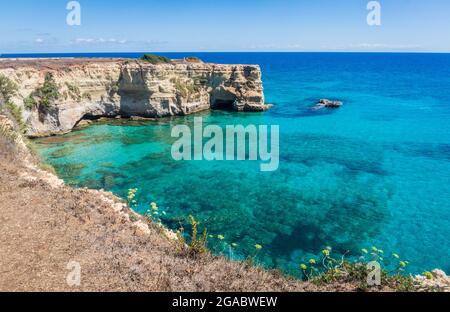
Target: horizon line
<point>157,52</point>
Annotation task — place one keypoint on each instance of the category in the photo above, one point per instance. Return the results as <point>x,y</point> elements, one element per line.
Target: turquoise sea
<point>374,173</point>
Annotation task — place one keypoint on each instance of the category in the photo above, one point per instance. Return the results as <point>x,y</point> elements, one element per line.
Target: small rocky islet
<point>326,103</point>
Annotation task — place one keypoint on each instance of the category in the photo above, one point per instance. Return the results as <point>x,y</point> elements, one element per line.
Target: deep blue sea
<point>374,173</point>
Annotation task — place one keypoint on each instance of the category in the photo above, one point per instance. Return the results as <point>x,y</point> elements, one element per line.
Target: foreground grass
<point>322,271</point>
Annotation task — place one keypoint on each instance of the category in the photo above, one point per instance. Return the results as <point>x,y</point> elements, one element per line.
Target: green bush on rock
<point>155,59</point>
<point>193,59</point>
<point>8,88</point>
<point>44,96</point>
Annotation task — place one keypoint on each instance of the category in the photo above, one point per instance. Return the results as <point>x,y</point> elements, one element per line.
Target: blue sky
<point>216,25</point>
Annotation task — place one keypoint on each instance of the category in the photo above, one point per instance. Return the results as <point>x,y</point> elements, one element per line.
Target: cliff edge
<point>91,88</point>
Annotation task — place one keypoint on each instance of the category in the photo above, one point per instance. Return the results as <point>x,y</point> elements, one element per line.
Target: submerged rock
<point>138,118</point>
<point>328,104</point>
<point>331,104</point>
<point>84,123</point>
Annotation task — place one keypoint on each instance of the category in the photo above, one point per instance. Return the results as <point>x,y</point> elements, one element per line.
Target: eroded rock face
<point>437,280</point>
<point>108,88</point>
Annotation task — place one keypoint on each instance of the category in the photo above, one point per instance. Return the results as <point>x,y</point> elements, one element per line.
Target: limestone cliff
<point>90,88</point>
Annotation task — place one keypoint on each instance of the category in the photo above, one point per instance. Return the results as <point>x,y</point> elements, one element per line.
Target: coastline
<point>117,249</point>
<point>30,177</point>
<point>85,88</point>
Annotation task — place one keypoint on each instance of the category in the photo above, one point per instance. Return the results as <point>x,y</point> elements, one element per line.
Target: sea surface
<point>374,173</point>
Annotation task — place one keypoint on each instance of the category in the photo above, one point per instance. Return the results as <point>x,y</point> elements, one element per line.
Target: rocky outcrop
<point>436,280</point>
<point>91,88</point>
<point>325,103</point>
<point>330,104</point>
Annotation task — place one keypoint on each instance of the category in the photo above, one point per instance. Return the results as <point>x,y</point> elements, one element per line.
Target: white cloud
<point>99,40</point>
<point>39,40</point>
<point>274,47</point>
<point>384,46</point>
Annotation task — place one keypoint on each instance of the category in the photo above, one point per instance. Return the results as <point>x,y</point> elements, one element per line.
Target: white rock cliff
<point>92,88</point>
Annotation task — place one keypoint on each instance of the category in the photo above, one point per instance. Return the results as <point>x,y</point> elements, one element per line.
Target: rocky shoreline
<point>46,225</point>
<point>117,249</point>
<point>56,94</point>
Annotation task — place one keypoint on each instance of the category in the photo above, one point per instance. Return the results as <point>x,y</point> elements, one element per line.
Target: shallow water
<point>375,172</point>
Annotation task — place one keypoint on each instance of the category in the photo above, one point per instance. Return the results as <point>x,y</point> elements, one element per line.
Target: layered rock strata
<point>91,88</point>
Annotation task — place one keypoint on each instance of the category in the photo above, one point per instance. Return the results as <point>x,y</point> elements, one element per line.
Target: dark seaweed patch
<point>435,151</point>
<point>354,155</point>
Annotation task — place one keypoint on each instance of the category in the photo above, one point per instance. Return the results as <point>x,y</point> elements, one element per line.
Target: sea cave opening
<point>227,105</point>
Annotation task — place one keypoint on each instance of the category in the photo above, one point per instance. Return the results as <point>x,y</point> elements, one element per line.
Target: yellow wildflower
<point>326,252</point>
<point>428,275</point>
<point>221,237</point>
<point>364,250</point>
<point>234,245</point>
<point>303,266</point>
<point>312,261</point>
<point>258,246</point>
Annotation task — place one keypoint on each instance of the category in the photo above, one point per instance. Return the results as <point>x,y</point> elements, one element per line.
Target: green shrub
<point>29,102</point>
<point>325,269</point>
<point>197,245</point>
<point>44,96</point>
<point>49,91</point>
<point>8,88</point>
<point>185,89</point>
<point>155,59</point>
<point>16,113</point>
<point>193,59</point>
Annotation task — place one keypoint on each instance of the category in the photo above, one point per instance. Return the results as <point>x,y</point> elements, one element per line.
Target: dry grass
<point>45,228</point>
